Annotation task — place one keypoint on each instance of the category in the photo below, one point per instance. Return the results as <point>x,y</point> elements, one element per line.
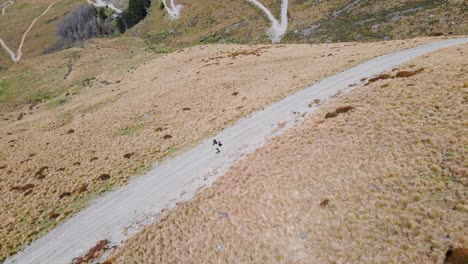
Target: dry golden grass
<point>56,155</point>
<point>385,182</point>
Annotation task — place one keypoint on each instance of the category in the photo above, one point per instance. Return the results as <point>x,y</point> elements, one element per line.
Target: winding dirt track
<point>17,57</point>
<point>5,5</point>
<point>173,10</point>
<point>141,201</point>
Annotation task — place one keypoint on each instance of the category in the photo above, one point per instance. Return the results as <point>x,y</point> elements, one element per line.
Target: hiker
<point>217,151</point>
<point>219,143</point>
<point>215,142</point>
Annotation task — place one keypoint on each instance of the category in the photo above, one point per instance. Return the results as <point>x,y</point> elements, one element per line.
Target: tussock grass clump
<point>406,74</point>
<point>339,110</point>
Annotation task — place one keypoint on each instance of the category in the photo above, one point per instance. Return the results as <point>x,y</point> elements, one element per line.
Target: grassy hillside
<point>40,79</point>
<point>236,21</point>
<point>17,19</point>
<point>121,89</point>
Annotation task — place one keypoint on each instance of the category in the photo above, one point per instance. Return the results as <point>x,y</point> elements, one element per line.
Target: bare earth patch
<point>382,182</point>
<point>54,157</point>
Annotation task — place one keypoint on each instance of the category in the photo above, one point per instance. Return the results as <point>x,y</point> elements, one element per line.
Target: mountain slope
<point>120,114</point>
<point>384,182</point>
<point>238,21</point>
<point>17,19</point>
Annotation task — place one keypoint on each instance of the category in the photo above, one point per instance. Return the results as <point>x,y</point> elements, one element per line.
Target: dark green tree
<point>135,12</point>
<point>120,24</point>
<point>146,3</point>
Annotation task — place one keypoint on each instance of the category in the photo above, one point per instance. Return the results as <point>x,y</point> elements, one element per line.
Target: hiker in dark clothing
<point>215,142</point>
<point>217,151</point>
<point>219,143</point>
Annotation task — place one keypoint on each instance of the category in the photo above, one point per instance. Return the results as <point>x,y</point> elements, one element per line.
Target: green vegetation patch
<point>4,85</point>
<point>74,54</point>
<point>357,23</point>
<point>158,47</point>
<point>57,102</point>
<point>128,131</point>
<point>21,6</point>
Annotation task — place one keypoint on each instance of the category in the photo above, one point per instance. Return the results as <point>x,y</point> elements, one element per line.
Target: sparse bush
<point>158,47</point>
<point>82,24</point>
<point>102,14</point>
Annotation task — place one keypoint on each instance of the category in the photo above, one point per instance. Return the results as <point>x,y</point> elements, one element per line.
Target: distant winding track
<point>5,5</point>
<point>17,57</point>
<point>173,10</point>
<point>19,53</point>
<point>141,201</point>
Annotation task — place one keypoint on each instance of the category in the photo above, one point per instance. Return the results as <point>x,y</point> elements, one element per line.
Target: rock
<point>358,37</point>
<point>224,215</point>
<point>302,236</point>
<point>395,18</point>
<point>220,247</point>
<point>311,30</point>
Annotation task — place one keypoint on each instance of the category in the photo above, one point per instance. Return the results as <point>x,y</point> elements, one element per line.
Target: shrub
<point>102,14</point>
